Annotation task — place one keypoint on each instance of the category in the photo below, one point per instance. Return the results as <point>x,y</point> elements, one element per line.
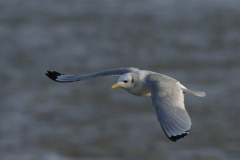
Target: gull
<point>166,95</point>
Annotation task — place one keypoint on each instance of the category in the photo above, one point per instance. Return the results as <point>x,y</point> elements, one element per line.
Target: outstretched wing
<point>168,101</point>
<point>59,77</point>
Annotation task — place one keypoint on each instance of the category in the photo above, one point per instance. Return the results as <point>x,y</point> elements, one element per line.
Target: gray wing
<point>168,101</point>
<point>59,77</point>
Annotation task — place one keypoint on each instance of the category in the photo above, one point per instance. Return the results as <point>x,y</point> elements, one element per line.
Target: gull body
<point>166,94</point>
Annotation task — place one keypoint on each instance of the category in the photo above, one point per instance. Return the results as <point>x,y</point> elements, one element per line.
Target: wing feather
<point>168,101</point>
<point>59,77</point>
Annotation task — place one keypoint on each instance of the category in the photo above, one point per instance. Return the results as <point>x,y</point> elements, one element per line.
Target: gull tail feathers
<point>196,93</point>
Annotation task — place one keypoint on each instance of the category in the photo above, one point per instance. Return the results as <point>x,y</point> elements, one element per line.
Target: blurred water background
<point>196,42</point>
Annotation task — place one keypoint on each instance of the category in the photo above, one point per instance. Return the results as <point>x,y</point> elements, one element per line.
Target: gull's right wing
<point>59,77</point>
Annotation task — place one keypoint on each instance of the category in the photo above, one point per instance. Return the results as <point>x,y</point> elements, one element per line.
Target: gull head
<point>126,81</point>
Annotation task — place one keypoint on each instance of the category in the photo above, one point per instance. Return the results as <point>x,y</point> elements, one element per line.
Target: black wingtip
<point>53,75</point>
<point>175,138</point>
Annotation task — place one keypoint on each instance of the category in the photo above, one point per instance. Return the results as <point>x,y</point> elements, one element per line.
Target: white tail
<point>197,93</point>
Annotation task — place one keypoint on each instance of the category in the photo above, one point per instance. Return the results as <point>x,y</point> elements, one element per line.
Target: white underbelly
<point>140,90</point>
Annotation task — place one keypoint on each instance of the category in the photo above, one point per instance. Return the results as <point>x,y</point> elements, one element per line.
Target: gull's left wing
<point>168,101</point>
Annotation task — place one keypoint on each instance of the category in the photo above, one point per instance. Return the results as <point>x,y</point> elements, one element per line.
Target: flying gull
<point>166,94</point>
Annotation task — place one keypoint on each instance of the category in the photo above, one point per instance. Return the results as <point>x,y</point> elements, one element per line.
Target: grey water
<point>196,42</point>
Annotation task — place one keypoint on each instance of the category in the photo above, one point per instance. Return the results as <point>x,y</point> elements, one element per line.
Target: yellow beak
<point>116,85</point>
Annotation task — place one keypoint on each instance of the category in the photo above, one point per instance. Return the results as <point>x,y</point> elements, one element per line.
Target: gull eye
<point>125,81</point>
